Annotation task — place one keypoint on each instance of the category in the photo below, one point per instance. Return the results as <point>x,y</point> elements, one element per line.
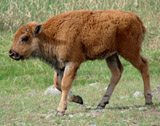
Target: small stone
<point>93,125</point>
<point>21,124</point>
<point>130,107</point>
<point>123,111</point>
<point>98,110</point>
<point>52,111</point>
<point>137,94</point>
<point>52,91</point>
<point>71,116</point>
<point>142,108</point>
<point>47,116</point>
<point>93,84</point>
<point>105,88</point>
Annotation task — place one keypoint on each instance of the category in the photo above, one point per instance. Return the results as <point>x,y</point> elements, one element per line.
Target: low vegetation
<point>22,84</point>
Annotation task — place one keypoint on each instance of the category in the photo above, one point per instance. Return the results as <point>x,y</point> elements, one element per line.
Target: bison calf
<point>66,40</point>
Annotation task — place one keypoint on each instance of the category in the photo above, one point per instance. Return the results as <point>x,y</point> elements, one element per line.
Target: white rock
<point>52,91</point>
<point>137,94</point>
<point>123,111</point>
<point>93,84</point>
<point>71,116</point>
<point>52,111</point>
<point>142,108</point>
<point>21,124</point>
<point>47,116</point>
<point>93,125</point>
<point>105,88</point>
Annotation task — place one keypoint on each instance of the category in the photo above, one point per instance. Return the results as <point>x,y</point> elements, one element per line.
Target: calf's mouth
<point>16,56</point>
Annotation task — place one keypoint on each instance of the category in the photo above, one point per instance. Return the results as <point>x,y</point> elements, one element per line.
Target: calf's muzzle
<point>14,55</point>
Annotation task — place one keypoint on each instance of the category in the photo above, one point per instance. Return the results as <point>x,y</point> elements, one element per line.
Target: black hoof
<point>102,105</point>
<point>79,100</point>
<point>151,103</point>
<point>58,114</point>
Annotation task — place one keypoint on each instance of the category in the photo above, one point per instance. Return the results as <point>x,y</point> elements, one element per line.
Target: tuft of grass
<point>22,83</point>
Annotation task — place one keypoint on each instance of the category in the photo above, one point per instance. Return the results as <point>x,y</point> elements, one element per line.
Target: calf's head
<point>25,41</point>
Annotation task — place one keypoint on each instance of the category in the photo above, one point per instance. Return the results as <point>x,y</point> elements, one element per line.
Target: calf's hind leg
<point>116,69</point>
<point>58,75</point>
<point>142,65</point>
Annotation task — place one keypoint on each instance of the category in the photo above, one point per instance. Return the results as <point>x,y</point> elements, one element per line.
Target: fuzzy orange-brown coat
<point>82,35</point>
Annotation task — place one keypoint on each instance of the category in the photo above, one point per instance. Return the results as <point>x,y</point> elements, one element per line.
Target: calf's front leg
<point>58,75</point>
<point>66,83</point>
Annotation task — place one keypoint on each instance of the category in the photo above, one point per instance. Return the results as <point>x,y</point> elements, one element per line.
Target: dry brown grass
<point>14,13</point>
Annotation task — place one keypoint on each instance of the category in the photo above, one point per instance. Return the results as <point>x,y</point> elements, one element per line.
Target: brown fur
<point>66,40</point>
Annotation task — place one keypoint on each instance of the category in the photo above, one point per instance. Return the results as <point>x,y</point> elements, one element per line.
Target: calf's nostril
<point>16,55</point>
<point>10,51</point>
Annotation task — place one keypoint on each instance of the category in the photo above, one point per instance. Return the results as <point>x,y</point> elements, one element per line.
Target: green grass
<point>22,84</point>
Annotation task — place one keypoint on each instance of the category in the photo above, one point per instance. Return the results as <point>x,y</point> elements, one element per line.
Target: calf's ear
<point>37,29</point>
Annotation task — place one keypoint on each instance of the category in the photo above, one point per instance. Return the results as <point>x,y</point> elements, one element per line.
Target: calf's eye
<point>25,39</point>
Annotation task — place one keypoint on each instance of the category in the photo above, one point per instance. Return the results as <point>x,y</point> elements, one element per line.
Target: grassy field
<point>22,84</point>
